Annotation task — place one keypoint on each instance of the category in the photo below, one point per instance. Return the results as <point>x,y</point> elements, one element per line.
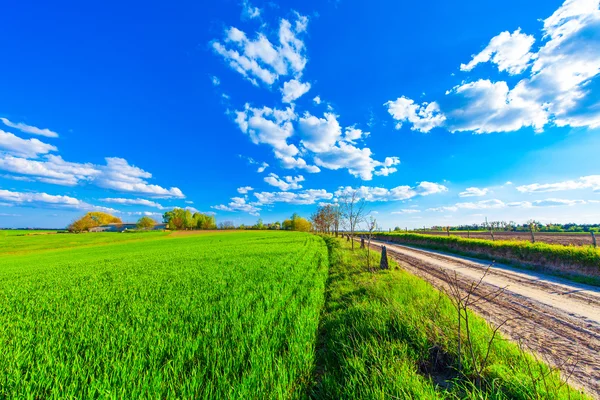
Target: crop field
<point>241,315</point>
<point>208,316</point>
<point>566,239</point>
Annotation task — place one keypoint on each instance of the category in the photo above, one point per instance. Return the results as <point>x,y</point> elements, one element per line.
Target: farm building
<point>123,227</point>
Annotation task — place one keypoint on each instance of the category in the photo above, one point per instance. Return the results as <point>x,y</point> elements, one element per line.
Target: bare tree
<point>352,208</point>
<point>371,227</point>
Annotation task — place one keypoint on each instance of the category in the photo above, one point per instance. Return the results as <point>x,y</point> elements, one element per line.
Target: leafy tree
<point>145,223</point>
<point>92,220</point>
<point>179,219</point>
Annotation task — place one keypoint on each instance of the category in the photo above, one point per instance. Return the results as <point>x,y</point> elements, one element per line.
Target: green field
<point>242,315</point>
<point>207,316</point>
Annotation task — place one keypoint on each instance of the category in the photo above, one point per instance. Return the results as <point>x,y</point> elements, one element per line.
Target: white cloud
<point>262,167</point>
<point>245,189</point>
<point>48,200</point>
<point>53,169</point>
<point>423,117</point>
<point>298,163</point>
<point>406,211</point>
<point>333,150</point>
<point>317,100</point>
<point>238,204</point>
<point>259,58</point>
<point>499,204</point>
<point>510,52</point>
<point>558,89</point>
<point>140,202</point>
<point>585,182</point>
<point>395,194</point>
<point>285,184</point>
<point>352,134</point>
<point>319,134</point>
<point>269,126</point>
<point>474,192</point>
<point>310,196</point>
<point>294,89</point>
<point>29,129</point>
<point>117,174</point>
<point>215,80</point>
<point>29,148</point>
<point>248,11</point>
<point>484,107</point>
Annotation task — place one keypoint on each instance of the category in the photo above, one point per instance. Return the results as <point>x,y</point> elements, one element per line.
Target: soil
<point>567,239</point>
<point>558,320</point>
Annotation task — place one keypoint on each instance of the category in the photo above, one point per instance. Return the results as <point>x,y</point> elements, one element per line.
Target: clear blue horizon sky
<point>439,114</point>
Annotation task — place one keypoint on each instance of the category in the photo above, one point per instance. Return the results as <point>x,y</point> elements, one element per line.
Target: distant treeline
<point>180,219</point>
<point>294,223</point>
<point>504,226</point>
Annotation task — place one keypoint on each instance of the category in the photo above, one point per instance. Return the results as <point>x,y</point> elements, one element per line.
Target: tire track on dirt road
<point>556,318</point>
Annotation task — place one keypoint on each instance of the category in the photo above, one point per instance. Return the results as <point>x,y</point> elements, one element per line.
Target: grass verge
<point>389,334</point>
<point>577,263</point>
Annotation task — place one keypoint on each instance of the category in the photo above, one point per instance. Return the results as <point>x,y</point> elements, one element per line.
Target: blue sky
<point>439,114</point>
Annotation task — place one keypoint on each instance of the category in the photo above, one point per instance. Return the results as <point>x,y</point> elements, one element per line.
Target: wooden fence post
<point>362,242</point>
<point>383,264</point>
<point>593,239</point>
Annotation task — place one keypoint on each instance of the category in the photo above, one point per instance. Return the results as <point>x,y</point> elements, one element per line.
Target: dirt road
<point>558,319</point>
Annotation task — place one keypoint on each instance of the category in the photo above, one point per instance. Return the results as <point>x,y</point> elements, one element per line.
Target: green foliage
<point>219,315</point>
<point>573,259</point>
<point>181,219</point>
<point>381,333</point>
<point>145,223</point>
<point>92,220</point>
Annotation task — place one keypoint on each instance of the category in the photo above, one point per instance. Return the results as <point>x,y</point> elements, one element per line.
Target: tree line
<point>179,219</point>
<point>511,226</point>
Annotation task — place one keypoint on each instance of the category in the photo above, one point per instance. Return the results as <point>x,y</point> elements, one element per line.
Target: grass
<point>25,232</point>
<point>240,315</point>
<point>579,263</point>
<point>209,316</point>
<point>379,332</point>
<point>22,244</point>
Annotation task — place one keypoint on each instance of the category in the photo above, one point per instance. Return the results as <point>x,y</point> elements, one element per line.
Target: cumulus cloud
<point>269,126</point>
<point>119,175</point>
<point>498,204</point>
<point>29,148</point>
<point>139,202</point>
<point>238,204</point>
<point>52,169</point>
<point>509,51</point>
<point>48,200</point>
<point>259,59</point>
<point>333,150</point>
<point>423,117</point>
<point>245,189</point>
<point>29,129</point>
<point>249,11</point>
<point>558,87</point>
<point>584,182</point>
<point>294,89</point>
<point>317,100</point>
<point>405,192</point>
<point>285,184</point>
<point>406,211</point>
<point>310,196</point>
<point>474,192</point>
